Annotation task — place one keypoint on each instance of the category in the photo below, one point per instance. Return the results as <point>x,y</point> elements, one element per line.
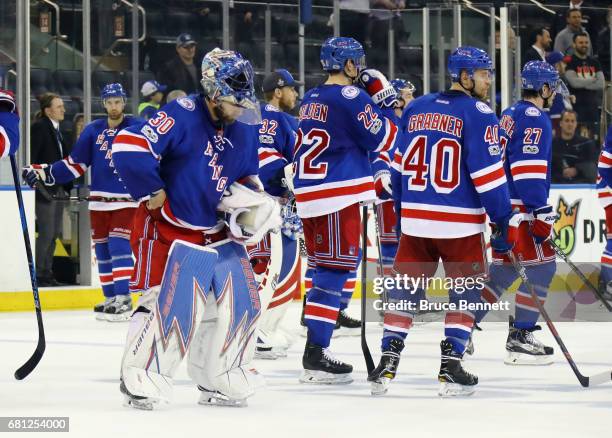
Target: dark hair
<point>568,111</point>
<point>268,95</point>
<point>569,12</point>
<point>535,33</point>
<point>529,94</point>
<point>580,34</point>
<point>45,101</point>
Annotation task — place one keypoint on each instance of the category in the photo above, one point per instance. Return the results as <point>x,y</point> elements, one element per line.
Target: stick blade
<point>25,370</point>
<point>600,378</point>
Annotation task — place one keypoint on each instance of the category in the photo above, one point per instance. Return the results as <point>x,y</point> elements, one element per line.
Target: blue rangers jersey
<point>604,167</point>
<point>9,134</point>
<point>183,151</point>
<point>381,161</point>
<point>526,139</point>
<point>93,149</point>
<point>338,128</point>
<point>277,135</point>
<point>447,173</point>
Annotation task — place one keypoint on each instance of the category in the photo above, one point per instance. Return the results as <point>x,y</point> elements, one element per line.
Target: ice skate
<point>321,367</point>
<point>524,349</point>
<point>120,309</point>
<point>99,308</point>
<point>346,325</point>
<point>135,401</point>
<point>454,380</point>
<point>266,353</point>
<point>215,398</point>
<point>382,375</point>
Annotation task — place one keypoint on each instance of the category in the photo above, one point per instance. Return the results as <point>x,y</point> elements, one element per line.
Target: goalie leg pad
<point>224,344</point>
<point>163,326</point>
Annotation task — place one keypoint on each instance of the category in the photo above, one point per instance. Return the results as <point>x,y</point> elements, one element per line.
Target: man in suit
<point>47,145</point>
<point>540,44</point>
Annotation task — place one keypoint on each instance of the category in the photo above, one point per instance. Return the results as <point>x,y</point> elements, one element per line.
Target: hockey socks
<point>122,263</point>
<point>323,304</point>
<point>105,268</point>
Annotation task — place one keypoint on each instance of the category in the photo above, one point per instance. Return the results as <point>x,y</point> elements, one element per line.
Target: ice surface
<point>78,377</point>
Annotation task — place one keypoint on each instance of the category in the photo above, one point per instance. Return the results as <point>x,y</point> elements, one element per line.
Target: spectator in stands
<point>46,146</point>
<point>540,44</point>
<point>384,15</point>
<point>560,103</point>
<point>153,94</point>
<point>182,72</point>
<point>564,41</point>
<point>590,20</point>
<point>586,82</point>
<point>175,94</point>
<point>574,157</point>
<point>354,19</point>
<point>603,46</point>
<point>78,123</point>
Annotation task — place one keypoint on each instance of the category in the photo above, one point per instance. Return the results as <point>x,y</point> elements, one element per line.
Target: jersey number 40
<point>442,170</point>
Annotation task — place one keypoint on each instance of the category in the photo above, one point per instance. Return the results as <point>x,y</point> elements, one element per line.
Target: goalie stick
<point>29,366</point>
<point>364,260</point>
<point>580,274</point>
<point>585,381</point>
<point>49,197</point>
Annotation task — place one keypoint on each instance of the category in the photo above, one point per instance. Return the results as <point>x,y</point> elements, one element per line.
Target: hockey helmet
<point>335,51</point>
<point>537,73</point>
<point>469,59</point>
<point>112,90</point>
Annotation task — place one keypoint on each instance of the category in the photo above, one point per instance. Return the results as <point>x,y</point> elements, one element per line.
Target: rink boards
<point>580,230</point>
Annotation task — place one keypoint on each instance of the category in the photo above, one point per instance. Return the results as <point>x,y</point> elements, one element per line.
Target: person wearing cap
<point>182,72</point>
<point>152,93</point>
<point>276,136</point>
<point>560,103</point>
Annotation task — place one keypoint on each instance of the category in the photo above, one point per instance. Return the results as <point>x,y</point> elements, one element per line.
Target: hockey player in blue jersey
<point>526,139</point>
<point>447,175</point>
<point>111,207</point>
<point>9,124</point>
<point>339,126</point>
<point>604,192</point>
<point>186,166</point>
<point>276,258</point>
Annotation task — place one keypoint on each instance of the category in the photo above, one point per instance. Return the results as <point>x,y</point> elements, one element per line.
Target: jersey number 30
<point>442,170</point>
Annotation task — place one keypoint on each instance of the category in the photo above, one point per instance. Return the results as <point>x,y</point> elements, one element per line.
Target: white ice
<point>78,378</point>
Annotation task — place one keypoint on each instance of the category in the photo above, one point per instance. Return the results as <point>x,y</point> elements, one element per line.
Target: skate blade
<point>121,317</point>
<point>346,332</point>
<point>265,355</point>
<point>323,378</point>
<point>143,405</point>
<point>100,316</point>
<point>380,386</point>
<point>214,399</point>
<point>513,358</point>
<point>280,352</point>
<point>455,390</point>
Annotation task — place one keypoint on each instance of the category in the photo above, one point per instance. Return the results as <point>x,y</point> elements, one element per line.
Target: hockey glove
<point>382,185</point>
<point>7,102</point>
<point>544,219</point>
<point>378,87</point>
<point>292,224</point>
<point>34,173</point>
<point>504,233</point>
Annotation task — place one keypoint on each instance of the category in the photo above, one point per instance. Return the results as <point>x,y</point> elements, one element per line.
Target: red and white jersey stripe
<point>128,141</point>
<point>322,199</point>
<point>529,169</point>
<point>5,143</point>
<point>268,155</point>
<point>441,221</point>
<point>489,177</point>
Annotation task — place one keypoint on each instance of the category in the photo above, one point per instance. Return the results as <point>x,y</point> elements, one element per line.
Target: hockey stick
<point>29,366</point>
<point>49,197</point>
<point>364,260</point>
<point>585,381</point>
<point>580,274</point>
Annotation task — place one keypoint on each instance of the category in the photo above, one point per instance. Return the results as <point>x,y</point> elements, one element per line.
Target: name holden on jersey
<point>429,306</point>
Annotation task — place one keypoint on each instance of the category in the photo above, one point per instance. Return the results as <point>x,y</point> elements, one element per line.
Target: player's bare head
<point>539,82</point>
<point>343,56</point>
<point>113,100</point>
<point>227,81</point>
<point>472,70</point>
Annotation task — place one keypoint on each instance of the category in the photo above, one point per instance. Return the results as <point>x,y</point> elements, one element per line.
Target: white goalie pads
<point>251,214</point>
<point>288,170</point>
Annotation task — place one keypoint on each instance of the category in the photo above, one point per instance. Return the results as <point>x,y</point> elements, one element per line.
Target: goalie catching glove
<point>378,87</point>
<point>249,214</point>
